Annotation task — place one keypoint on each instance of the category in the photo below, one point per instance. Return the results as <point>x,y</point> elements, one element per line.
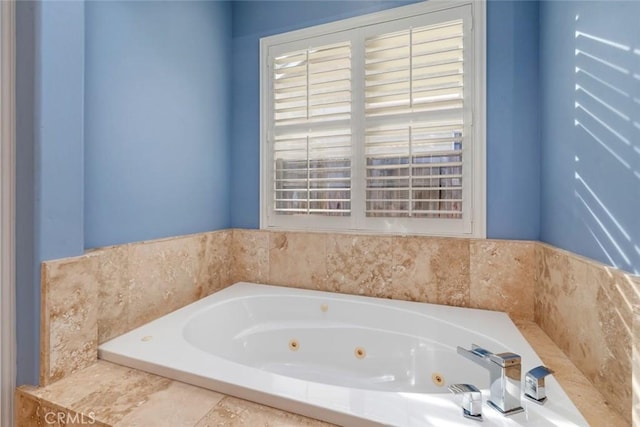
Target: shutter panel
<point>414,138</point>
<point>312,131</point>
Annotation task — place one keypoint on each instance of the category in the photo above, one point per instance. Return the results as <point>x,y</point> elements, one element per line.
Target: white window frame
<point>438,227</point>
<point>7,212</point>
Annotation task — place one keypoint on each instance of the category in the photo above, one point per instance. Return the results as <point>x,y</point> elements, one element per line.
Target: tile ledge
<point>580,390</point>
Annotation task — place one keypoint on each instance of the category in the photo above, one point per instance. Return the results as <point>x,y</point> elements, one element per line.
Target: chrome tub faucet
<point>534,388</point>
<point>504,375</point>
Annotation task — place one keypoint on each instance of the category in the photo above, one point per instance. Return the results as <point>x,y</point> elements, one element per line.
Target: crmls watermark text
<point>62,417</point>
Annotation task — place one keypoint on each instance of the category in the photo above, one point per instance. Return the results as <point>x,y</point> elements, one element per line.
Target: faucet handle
<point>505,359</point>
<point>471,400</point>
<point>534,388</point>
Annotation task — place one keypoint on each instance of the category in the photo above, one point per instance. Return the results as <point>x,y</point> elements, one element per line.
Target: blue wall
<point>120,139</point>
<point>513,159</point>
<point>27,289</point>
<point>50,127</point>
<point>590,115</point>
<point>59,129</point>
<point>513,149</point>
<point>157,119</point>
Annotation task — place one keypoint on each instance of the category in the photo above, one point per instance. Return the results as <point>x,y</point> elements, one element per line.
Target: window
<point>376,123</point>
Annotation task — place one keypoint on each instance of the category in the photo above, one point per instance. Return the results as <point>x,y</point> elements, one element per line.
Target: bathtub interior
<point>323,339</point>
<point>345,359</point>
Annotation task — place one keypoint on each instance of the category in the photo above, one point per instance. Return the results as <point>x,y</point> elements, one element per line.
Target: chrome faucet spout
<point>477,354</point>
<point>504,377</point>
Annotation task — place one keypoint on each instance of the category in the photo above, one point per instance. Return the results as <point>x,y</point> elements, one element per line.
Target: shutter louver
<point>414,134</point>
<point>312,131</point>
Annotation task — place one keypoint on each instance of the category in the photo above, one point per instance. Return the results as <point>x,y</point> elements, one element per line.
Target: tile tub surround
<point>588,309</point>
<point>113,395</point>
<point>492,274</point>
<point>128,285</point>
<point>118,396</point>
<point>92,298</point>
<point>636,365</point>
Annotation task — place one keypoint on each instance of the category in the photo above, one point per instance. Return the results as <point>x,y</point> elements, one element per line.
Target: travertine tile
<point>77,386</point>
<point>117,395</point>
<point>636,360</point>
<point>503,276</point>
<point>584,395</point>
<point>250,256</point>
<point>297,259</point>
<point>27,411</point>
<point>165,276</point>
<point>178,405</point>
<point>434,270</point>
<point>113,292</point>
<point>614,313</point>
<point>539,252</point>
<point>587,309</point>
<point>34,412</point>
<point>107,391</point>
<point>216,262</point>
<point>110,403</point>
<point>142,281</point>
<point>359,264</point>
<point>563,281</point>
<point>412,276</point>
<point>54,416</point>
<point>565,304</point>
<point>69,330</point>
<point>233,412</point>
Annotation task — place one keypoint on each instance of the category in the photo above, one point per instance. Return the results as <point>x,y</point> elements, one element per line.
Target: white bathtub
<point>345,359</point>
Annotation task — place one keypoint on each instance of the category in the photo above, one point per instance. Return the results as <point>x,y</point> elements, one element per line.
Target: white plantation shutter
<point>416,70</point>
<point>414,170</point>
<point>414,79</point>
<point>369,126</point>
<point>312,131</point>
<point>312,85</point>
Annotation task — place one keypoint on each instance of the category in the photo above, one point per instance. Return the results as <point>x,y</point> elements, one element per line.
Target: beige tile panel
<point>234,412</point>
<point>636,361</point>
<point>113,292</point>
<point>413,278</point>
<point>587,309</point>
<point>69,331</point>
<point>584,395</point>
<point>416,268</point>
<point>164,277</point>
<point>110,404</point>
<point>90,299</point>
<point>177,405</point>
<point>216,267</point>
<point>117,396</point>
<point>250,256</point>
<point>503,276</point>
<point>298,259</point>
<point>562,296</point>
<point>120,396</point>
<point>359,265</point>
<point>433,270</point>
<point>28,411</point>
<point>31,411</point>
<point>614,310</point>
